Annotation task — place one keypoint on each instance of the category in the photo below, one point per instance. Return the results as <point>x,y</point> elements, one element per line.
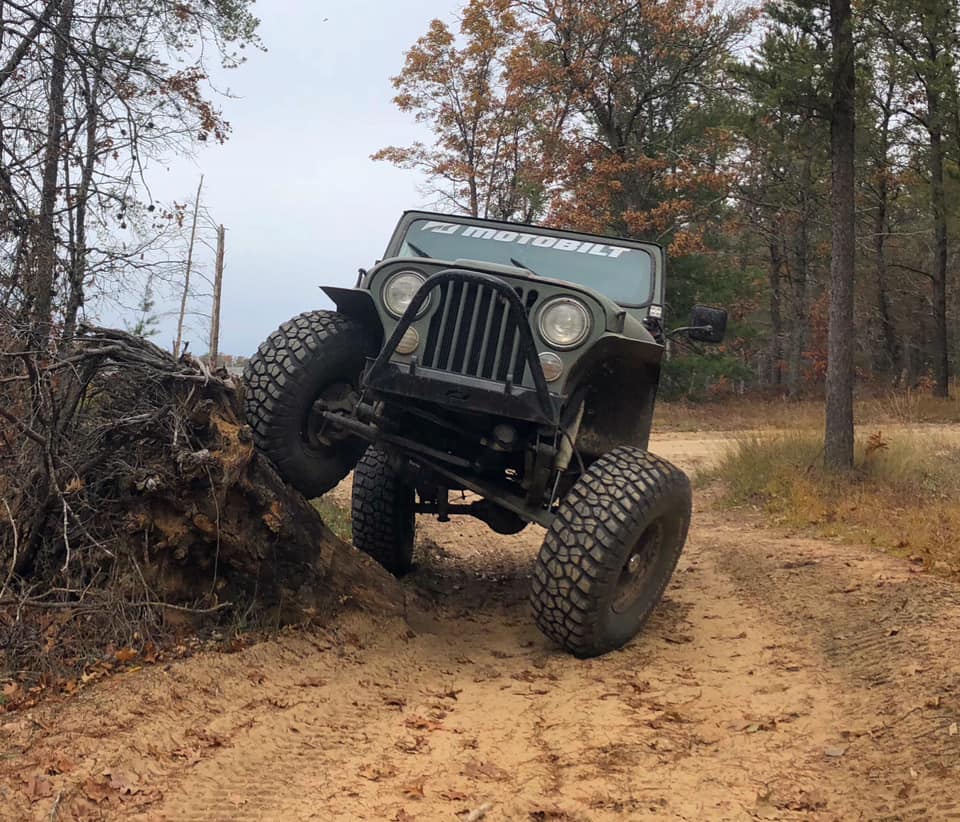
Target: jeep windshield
<point>622,274</point>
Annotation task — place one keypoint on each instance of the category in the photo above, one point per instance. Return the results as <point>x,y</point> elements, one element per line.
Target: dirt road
<point>781,678</point>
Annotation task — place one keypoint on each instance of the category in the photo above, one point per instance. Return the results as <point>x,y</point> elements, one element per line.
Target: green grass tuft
<point>336,517</point>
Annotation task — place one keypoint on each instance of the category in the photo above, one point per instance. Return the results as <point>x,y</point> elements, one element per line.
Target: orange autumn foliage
<point>594,114</point>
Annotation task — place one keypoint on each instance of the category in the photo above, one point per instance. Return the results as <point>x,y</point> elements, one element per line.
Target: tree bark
<point>941,350</point>
<point>801,282</point>
<point>78,258</point>
<point>889,359</point>
<point>776,319</point>
<point>178,342</point>
<point>838,443</point>
<point>41,289</point>
<point>214,353</point>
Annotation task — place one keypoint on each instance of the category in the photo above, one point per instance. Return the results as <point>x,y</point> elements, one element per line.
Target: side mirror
<point>707,325</point>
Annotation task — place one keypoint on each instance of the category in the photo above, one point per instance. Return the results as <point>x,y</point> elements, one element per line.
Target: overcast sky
<point>302,202</point>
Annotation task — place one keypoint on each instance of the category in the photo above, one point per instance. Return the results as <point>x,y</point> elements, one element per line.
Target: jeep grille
<point>473,333</point>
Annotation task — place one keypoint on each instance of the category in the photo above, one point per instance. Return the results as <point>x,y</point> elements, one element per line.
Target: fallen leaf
<point>808,801</point>
<point>798,563</point>
<point>190,754</point>
<point>678,639</point>
<point>545,815</point>
<point>414,790</point>
<point>835,751</point>
<point>421,723</point>
<point>208,739</point>
<point>60,764</point>
<point>125,654</point>
<point>453,796</point>
<point>709,737</point>
<point>403,816</point>
<point>375,773</point>
<point>97,789</point>
<point>953,729</point>
<point>75,484</point>
<point>485,770</point>
<point>37,787</point>
<point>125,784</point>
<point>416,745</point>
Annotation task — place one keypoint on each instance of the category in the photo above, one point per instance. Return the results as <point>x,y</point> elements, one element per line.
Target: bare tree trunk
<point>941,351</point>
<point>78,261</point>
<point>776,320</point>
<point>217,292</point>
<point>799,314</point>
<point>186,277</point>
<point>888,356</point>
<point>838,444</point>
<point>41,296</point>
<point>919,315</point>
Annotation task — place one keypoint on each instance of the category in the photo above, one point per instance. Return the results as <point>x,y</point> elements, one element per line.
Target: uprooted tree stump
<point>130,487</point>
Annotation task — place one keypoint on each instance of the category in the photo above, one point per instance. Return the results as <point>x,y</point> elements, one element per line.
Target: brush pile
<point>132,500</point>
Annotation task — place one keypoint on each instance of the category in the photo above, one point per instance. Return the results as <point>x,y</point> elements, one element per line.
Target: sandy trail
<point>781,678</point>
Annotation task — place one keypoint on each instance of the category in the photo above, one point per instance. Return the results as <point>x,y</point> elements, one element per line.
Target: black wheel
<point>382,512</point>
<point>318,355</point>
<point>610,551</point>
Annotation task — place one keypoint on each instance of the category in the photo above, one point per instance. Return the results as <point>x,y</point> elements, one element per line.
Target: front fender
<point>358,304</point>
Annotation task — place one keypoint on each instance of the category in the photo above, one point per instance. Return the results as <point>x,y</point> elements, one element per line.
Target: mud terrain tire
<point>610,551</point>
<point>382,513</point>
<point>291,369</point>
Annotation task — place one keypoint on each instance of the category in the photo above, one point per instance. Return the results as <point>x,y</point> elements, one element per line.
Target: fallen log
<point>131,475</point>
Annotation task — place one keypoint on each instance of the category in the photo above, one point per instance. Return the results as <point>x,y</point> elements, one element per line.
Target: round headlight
<point>552,366</point>
<point>409,342</point>
<point>398,291</point>
<point>564,322</point>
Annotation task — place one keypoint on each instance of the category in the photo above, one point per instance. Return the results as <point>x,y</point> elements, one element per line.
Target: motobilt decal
<point>521,238</point>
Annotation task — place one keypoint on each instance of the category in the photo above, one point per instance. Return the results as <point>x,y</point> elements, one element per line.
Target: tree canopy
<point>707,127</point>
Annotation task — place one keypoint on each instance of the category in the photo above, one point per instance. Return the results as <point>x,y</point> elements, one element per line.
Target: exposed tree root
<point>130,486</point>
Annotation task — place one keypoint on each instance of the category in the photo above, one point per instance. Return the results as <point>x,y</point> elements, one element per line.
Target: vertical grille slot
<point>473,333</point>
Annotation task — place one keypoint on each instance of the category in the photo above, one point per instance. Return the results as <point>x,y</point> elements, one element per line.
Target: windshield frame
<point>653,250</point>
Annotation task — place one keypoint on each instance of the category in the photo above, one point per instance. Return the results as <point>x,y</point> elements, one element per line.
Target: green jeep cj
<point>515,362</point>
